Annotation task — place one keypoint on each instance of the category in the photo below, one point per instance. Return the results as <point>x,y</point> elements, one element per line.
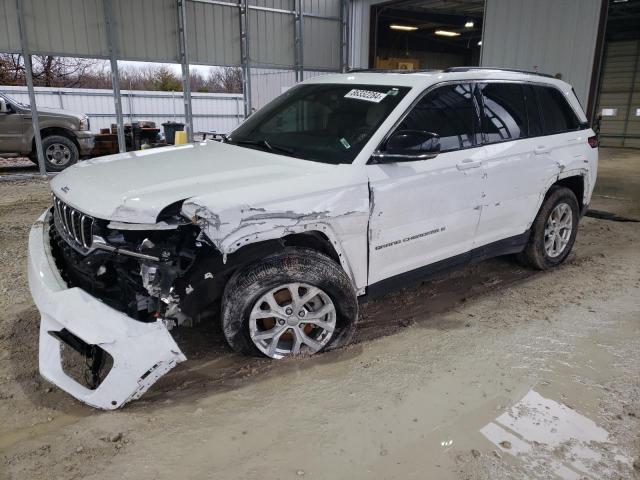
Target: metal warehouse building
<point>592,44</point>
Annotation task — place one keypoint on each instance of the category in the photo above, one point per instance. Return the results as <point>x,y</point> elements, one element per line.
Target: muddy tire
<point>554,230</point>
<point>59,153</point>
<point>297,301</point>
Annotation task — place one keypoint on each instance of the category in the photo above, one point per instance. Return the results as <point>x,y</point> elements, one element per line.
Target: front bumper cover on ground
<point>141,352</point>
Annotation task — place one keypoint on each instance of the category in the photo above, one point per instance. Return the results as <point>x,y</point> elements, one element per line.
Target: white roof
<point>427,78</point>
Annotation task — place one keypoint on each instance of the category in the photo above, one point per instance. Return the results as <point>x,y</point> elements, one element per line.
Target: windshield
<point>328,123</point>
<point>10,100</point>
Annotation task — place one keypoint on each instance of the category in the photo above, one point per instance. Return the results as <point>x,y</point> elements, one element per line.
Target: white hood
<point>136,186</point>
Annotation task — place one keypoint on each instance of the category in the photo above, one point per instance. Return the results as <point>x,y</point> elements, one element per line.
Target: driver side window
<point>448,111</point>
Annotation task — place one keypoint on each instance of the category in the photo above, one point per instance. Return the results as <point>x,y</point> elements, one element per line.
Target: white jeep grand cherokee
<point>345,185</point>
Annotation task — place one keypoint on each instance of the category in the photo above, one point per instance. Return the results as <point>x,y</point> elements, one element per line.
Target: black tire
<point>65,144</point>
<point>293,264</point>
<point>535,254</point>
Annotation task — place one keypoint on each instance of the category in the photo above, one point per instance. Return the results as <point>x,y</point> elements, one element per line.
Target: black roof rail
<point>381,70</point>
<point>471,69</point>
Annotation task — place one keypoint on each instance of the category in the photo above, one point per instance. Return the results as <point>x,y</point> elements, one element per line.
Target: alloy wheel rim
<point>58,154</point>
<point>291,319</point>
<point>557,230</point>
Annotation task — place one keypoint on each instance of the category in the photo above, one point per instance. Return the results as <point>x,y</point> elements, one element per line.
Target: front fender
<point>341,216</point>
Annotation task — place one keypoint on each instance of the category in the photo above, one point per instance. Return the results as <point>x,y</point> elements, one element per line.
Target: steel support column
<point>26,55</point>
<point>184,63</point>
<point>244,56</point>
<point>344,32</point>
<point>298,41</point>
<point>115,77</point>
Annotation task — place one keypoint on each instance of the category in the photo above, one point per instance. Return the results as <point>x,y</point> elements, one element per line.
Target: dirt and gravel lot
<point>491,372</point>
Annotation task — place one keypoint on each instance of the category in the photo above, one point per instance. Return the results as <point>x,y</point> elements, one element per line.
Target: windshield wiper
<point>264,144</point>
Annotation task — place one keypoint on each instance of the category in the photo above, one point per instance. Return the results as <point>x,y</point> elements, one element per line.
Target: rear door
<point>427,210</point>
<point>514,175</point>
<point>530,132</point>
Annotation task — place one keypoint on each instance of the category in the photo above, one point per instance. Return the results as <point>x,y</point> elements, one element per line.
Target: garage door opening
<point>618,104</point>
<point>422,35</point>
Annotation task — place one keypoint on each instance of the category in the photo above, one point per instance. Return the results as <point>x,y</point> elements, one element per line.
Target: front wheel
<point>59,153</point>
<point>297,301</point>
<point>554,230</point>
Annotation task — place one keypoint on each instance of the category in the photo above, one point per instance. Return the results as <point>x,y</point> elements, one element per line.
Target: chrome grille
<point>74,226</point>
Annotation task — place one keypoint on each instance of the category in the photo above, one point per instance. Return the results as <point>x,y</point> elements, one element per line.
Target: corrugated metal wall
<point>147,30</point>
<point>326,8</point>
<point>619,99</point>
<point>271,39</point>
<point>214,34</point>
<point>9,36</point>
<point>219,112</point>
<point>551,36</point>
<point>321,40</point>
<point>71,27</point>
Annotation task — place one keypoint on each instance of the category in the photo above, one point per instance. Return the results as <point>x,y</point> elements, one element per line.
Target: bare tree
<point>197,82</point>
<point>50,71</point>
<point>11,69</point>
<point>225,80</point>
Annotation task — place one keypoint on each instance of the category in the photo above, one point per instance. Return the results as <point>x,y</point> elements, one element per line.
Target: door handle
<point>541,150</point>
<point>469,163</point>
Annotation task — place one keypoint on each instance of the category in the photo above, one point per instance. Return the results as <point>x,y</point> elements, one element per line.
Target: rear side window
<point>504,112</point>
<point>533,112</point>
<point>557,115</point>
<point>448,111</point>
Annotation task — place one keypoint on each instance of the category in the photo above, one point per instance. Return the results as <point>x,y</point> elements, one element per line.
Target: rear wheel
<point>554,230</point>
<point>297,301</point>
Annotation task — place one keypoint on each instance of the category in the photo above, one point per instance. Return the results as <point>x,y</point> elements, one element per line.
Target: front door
<point>427,210</point>
<point>11,130</point>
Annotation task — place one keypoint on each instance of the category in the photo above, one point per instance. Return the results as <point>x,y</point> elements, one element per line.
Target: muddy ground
<point>491,372</point>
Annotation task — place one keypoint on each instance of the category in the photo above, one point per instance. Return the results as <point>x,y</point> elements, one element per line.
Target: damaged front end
<point>111,292</point>
<point>131,267</point>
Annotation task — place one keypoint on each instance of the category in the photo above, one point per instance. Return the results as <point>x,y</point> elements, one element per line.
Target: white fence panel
<point>267,84</point>
<point>212,112</point>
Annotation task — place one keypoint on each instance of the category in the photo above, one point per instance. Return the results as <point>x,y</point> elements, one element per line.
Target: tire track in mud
<point>213,367</point>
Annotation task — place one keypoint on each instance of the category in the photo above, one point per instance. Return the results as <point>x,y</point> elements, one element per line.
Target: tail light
<point>593,141</point>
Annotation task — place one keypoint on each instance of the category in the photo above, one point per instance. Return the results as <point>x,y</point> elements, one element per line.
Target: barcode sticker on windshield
<point>367,95</point>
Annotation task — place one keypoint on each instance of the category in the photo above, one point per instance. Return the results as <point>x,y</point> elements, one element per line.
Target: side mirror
<point>3,106</point>
<point>409,145</point>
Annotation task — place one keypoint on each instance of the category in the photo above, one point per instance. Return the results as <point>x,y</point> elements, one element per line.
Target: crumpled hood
<point>136,186</point>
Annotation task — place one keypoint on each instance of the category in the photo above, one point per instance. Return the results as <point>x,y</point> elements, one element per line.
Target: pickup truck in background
<point>65,135</point>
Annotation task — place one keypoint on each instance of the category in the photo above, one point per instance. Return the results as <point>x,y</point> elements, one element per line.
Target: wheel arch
<point>318,236</point>
<point>224,267</point>
<point>575,180</point>
<point>49,131</point>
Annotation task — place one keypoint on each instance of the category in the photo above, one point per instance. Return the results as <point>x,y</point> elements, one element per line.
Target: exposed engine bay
<point>146,274</point>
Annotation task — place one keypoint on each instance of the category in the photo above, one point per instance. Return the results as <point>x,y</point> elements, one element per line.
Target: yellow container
<point>181,137</point>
